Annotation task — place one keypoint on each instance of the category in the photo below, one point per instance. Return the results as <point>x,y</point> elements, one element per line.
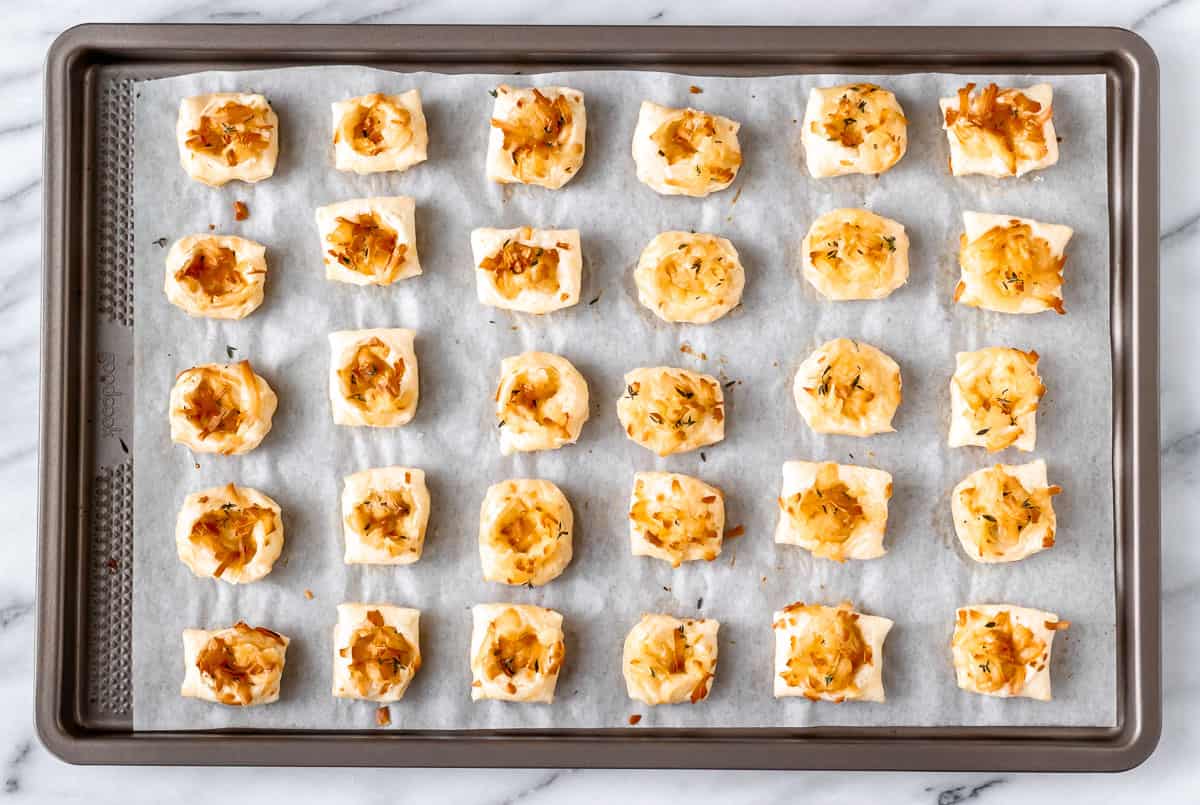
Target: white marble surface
<point>29,773</point>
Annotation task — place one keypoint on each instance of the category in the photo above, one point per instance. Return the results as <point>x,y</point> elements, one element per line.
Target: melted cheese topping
<point>373,377</point>
<point>218,277</point>
<point>855,128</point>
<point>670,661</point>
<point>380,657</point>
<point>238,666</point>
<point>221,408</point>
<point>541,135</point>
<point>541,402</point>
<point>835,511</point>
<point>525,532</point>
<point>829,653</point>
<point>689,277</point>
<point>1009,267</point>
<point>1000,650</point>
<point>227,136</point>
<point>517,652</point>
<point>685,151</point>
<point>384,515</point>
<point>1006,128</point>
<point>855,254</point>
<point>1004,513</point>
<point>995,394</point>
<point>676,518</point>
<point>848,387</point>
<point>669,410</point>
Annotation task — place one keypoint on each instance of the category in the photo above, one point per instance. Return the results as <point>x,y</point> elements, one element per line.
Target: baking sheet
<point>460,344</point>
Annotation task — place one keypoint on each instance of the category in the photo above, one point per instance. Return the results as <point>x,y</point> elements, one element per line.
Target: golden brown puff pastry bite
<point>538,136</point>
<point>221,408</point>
<point>373,377</point>
<point>849,388</point>
<point>369,241</point>
<point>376,651</point>
<point>541,402</point>
<point>216,276</point>
<point>994,397</point>
<point>517,651</point>
<point>676,518</point>
<point>853,128</point>
<point>855,254</point>
<point>670,410</point>
<point>385,512</point>
<point>836,511</point>
<point>1003,650</point>
<point>226,136</point>
<point>685,152</point>
<point>232,533</point>
<point>1000,132</point>
<point>1010,264</point>
<point>239,666</point>
<point>831,654</point>
<point>376,132</point>
<point>526,269</point>
<point>1005,513</point>
<point>670,661</point>
<point>689,277</point>
<point>525,532</point>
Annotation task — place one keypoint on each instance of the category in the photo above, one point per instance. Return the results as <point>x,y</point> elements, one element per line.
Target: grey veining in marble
<point>29,773</point>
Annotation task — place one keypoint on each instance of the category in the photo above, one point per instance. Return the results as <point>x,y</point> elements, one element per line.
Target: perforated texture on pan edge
<point>110,592</point>
<point>114,275</point>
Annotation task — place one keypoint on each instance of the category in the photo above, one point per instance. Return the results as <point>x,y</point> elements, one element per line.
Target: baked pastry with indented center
<point>377,132</point>
<point>240,666</point>
<point>675,517</point>
<point>232,533</point>
<point>855,254</point>
<point>517,651</point>
<point>689,277</point>
<point>526,269</point>
<point>1010,264</point>
<point>994,397</point>
<point>376,651</point>
<point>685,152</point>
<point>538,136</point>
<point>525,532</point>
<point>373,377</point>
<point>853,128</point>
<point>216,276</point>
<point>384,515</point>
<point>670,661</point>
<point>836,511</point>
<point>1005,513</point>
<point>849,388</point>
<point>221,408</point>
<point>830,654</point>
<point>1003,650</point>
<point>1000,132</point>
<point>541,402</point>
<point>670,410</point>
<point>226,136</point>
<point>369,241</point>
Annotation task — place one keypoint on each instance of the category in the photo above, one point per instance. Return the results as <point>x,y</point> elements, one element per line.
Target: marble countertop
<point>29,773</point>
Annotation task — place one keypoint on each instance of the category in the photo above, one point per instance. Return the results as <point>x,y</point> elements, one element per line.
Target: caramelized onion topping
<point>228,533</point>
<point>676,404</point>
<point>694,270</point>
<point>1007,124</point>
<point>212,270</point>
<point>521,267</point>
<point>370,382</point>
<point>1013,263</point>
<point>1001,509</point>
<point>827,511</point>
<point>367,246</point>
<point>672,528</point>
<point>380,657</point>
<point>383,517</point>
<point>233,666</point>
<point>513,649</point>
<point>536,134</point>
<point>1000,396</point>
<point>1000,650</point>
<point>693,135</point>
<point>529,393</point>
<point>212,406</point>
<point>376,125</point>
<point>853,251</point>
<point>845,387</point>
<point>233,133</point>
<point>826,659</point>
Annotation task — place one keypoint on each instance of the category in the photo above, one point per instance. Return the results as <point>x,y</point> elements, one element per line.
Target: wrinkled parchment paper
<point>460,343</point>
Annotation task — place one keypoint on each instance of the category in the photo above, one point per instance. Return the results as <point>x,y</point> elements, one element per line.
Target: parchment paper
<point>460,343</point>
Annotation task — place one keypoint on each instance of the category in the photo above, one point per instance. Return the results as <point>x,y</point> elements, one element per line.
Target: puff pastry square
<point>240,666</point>
<point>836,511</point>
<point>227,136</point>
<point>667,660</point>
<point>525,529</point>
<point>676,518</point>
<point>384,515</point>
<point>830,654</point>
<point>232,533</point>
<point>216,276</point>
<point>376,651</point>
<point>538,136</point>
<point>541,402</point>
<point>691,277</point>
<point>369,241</point>
<point>373,377</point>
<point>994,398</point>
<point>1000,132</point>
<point>1005,513</point>
<point>1003,650</point>
<point>853,128</point>
<point>849,388</point>
<point>1011,264</point>
<point>221,408</point>
<point>375,133</point>
<point>855,254</point>
<point>669,410</point>
<point>517,651</point>
<point>528,270</point>
<point>685,152</point>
